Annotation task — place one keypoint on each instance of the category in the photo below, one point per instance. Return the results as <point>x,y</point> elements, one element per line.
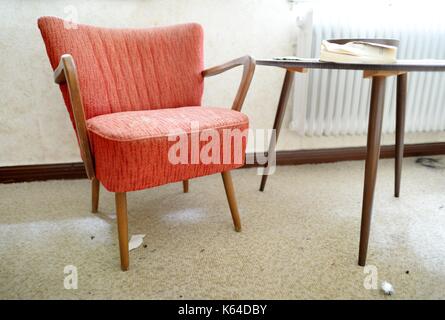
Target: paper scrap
<point>387,288</point>
<point>135,241</point>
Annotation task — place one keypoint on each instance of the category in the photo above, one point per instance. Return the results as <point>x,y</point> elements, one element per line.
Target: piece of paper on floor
<point>387,288</point>
<point>135,241</point>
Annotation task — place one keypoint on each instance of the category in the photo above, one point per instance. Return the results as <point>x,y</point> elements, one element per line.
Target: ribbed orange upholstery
<point>130,69</point>
<point>131,148</point>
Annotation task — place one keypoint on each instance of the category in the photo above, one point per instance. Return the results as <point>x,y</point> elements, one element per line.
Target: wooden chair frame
<point>66,73</point>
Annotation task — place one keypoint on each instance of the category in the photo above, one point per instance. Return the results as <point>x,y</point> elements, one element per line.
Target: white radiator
<point>331,102</point>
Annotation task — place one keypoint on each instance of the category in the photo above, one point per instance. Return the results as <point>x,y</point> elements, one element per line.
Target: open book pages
<point>357,52</point>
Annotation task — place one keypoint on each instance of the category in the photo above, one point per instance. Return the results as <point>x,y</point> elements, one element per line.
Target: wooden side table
<point>378,73</point>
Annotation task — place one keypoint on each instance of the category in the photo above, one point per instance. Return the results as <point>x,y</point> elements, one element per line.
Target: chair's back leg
<point>122,228</point>
<point>230,192</point>
<point>185,185</point>
<point>95,187</point>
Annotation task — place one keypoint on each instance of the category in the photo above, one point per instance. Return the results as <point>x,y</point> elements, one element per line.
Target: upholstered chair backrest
<point>129,69</point>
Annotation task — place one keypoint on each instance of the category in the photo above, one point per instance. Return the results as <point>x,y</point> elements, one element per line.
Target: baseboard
<point>42,172</point>
<point>293,157</point>
<point>313,156</point>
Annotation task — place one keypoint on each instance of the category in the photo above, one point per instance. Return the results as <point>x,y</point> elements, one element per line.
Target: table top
<point>400,65</point>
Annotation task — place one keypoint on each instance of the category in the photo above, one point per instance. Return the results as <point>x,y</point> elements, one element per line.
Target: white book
<point>357,52</point>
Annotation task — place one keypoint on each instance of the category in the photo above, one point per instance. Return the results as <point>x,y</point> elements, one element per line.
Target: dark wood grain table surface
<point>378,74</point>
<point>400,65</point>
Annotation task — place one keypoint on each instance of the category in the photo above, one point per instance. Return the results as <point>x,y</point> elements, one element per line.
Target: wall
<point>34,125</point>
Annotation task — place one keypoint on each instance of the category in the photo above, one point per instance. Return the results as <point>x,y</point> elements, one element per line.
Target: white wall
<point>34,125</point>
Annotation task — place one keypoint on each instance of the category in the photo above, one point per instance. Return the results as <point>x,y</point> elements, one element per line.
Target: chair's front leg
<point>122,228</point>
<point>230,192</point>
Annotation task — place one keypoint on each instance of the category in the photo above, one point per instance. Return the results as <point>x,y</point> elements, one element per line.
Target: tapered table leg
<point>372,158</point>
<point>400,129</point>
<point>284,97</point>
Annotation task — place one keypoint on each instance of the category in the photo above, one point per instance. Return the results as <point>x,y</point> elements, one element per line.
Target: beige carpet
<point>300,237</point>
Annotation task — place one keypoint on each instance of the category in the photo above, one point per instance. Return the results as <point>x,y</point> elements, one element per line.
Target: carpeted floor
<point>299,238</point>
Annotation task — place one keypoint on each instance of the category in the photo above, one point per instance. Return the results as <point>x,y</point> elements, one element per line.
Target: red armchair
<point>127,92</point>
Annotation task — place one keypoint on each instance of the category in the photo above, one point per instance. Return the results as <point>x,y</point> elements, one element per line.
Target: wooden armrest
<point>66,72</point>
<point>248,64</point>
<point>59,73</point>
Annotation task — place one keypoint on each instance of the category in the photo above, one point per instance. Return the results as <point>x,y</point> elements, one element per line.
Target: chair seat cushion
<point>131,149</point>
